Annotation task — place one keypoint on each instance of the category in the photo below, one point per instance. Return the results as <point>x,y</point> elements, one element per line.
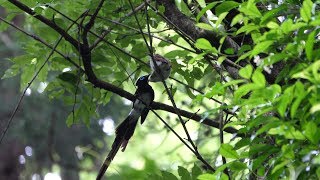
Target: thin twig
<point>90,24</point>
<point>41,41</point>
<point>157,37</point>
<point>224,161</point>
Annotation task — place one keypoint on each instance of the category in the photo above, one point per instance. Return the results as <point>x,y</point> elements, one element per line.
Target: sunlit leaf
<point>226,6</point>
<point>205,45</point>
<point>311,132</point>
<point>306,9</point>
<point>205,26</point>
<point>203,11</point>
<point>310,44</point>
<point>207,177</point>
<point>261,47</point>
<point>227,151</point>
<point>258,78</point>
<point>246,71</point>
<point>315,108</point>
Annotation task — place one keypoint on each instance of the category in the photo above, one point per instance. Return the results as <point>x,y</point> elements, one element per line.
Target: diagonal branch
<point>46,21</point>
<point>41,41</point>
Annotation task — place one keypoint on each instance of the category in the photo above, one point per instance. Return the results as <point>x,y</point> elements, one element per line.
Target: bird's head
<point>142,81</point>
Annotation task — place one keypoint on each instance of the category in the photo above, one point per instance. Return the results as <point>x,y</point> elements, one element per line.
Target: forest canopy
<point>242,100</point>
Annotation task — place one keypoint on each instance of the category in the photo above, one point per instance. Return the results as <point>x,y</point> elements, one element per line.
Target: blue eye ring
<point>142,78</point>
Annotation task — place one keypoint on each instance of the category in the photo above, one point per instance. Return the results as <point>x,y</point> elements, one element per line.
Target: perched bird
<point>164,67</point>
<point>144,96</point>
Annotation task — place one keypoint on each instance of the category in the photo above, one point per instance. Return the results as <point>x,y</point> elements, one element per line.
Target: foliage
<point>273,101</point>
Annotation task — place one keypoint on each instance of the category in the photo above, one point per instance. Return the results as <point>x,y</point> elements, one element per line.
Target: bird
<point>164,66</point>
<point>143,98</point>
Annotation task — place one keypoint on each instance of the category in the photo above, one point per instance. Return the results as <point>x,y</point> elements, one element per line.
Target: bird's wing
<point>144,114</point>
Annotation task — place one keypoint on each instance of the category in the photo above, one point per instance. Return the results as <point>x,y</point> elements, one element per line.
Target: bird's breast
<point>142,101</point>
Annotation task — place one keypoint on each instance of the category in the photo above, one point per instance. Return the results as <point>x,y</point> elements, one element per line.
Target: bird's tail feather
<point>124,131</point>
<point>114,149</point>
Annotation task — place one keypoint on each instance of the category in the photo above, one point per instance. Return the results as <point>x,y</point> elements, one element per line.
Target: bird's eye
<point>142,78</point>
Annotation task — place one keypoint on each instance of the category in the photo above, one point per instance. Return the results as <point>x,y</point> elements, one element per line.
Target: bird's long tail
<point>124,131</point>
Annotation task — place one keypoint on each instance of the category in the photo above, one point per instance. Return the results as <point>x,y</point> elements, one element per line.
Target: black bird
<point>144,96</point>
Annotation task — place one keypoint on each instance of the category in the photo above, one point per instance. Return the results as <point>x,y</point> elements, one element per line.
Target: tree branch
<point>46,21</point>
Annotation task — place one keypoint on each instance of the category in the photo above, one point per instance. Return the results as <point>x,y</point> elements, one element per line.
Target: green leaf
<point>183,7</point>
<point>287,131</point>
<point>244,89</point>
<point>311,132</point>
<point>318,172</point>
<point>205,45</point>
<point>161,9</point>
<point>196,58</point>
<point>184,173</point>
<point>221,17</point>
<point>289,26</point>
<point>315,108</point>
<point>38,10</point>
<point>250,9</point>
<point>237,166</point>
<point>273,13</point>
<point>238,18</point>
<point>305,11</point>
<point>300,94</point>
<point>203,11</point>
<point>279,166</point>
<point>226,150</point>
<point>221,59</point>
<point>205,26</point>
<point>207,177</point>
<point>168,175</point>
<point>273,25</point>
<point>217,88</point>
<point>258,148</point>
<point>27,74</point>
<point>258,78</point>
<point>267,127</point>
<point>285,99</point>
<point>68,77</point>
<point>261,47</point>
<point>310,44</point>
<point>71,119</point>
<point>246,71</point>
<point>195,172</point>
<point>197,73</point>
<point>226,6</point>
<point>247,29</point>
<point>11,72</point>
<point>242,142</point>
<point>258,162</point>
